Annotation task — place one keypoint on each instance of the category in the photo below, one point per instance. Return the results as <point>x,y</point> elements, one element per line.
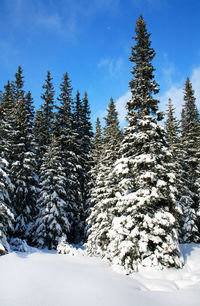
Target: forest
<point>130,196</point>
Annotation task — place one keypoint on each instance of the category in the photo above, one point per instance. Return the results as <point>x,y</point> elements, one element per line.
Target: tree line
<point>131,195</point>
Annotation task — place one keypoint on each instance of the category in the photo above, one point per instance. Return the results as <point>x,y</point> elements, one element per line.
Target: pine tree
<point>55,213</point>
<point>44,120</point>
<point>172,126</point>
<point>188,231</point>
<point>77,126</point>
<point>7,128</point>
<point>103,192</point>
<point>48,106</point>
<point>191,132</point>
<point>86,134</point>
<point>18,85</point>
<point>190,140</point>
<point>22,173</point>
<point>67,138</point>
<point>143,231</point>
<point>6,215</point>
<point>97,150</point>
<point>18,148</point>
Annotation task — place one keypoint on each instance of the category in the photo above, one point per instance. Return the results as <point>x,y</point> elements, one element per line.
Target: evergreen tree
<point>55,214</point>
<point>172,127</point>
<point>190,139</point>
<point>18,84</point>
<point>86,157</point>
<point>18,149</point>
<point>103,192</point>
<point>7,128</point>
<point>188,231</point>
<point>97,150</point>
<point>44,120</point>
<point>143,232</point>
<point>48,106</point>
<point>191,132</point>
<point>22,172</point>
<point>6,215</point>
<point>67,138</point>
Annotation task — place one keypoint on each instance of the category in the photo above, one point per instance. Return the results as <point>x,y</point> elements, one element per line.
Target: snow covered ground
<point>44,278</point>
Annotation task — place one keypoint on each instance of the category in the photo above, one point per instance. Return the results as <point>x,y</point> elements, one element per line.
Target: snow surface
<point>44,278</point>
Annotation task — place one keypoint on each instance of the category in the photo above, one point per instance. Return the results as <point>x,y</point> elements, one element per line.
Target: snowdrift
<point>46,278</point>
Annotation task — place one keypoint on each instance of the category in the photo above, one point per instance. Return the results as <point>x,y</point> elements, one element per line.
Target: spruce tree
<point>77,126</point>
<point>7,128</point>
<point>44,120</point>
<point>187,229</point>
<point>190,140</point>
<point>191,131</point>
<point>86,157</point>
<point>97,150</point>
<point>143,231</point>
<point>22,172</point>
<point>18,84</point>
<point>55,213</point>
<point>103,191</point>
<point>172,126</point>
<point>19,151</point>
<point>67,138</point>
<point>6,215</point>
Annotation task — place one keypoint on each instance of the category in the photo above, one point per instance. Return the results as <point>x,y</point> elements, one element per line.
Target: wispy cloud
<point>175,92</point>
<point>63,17</point>
<point>121,106</point>
<point>113,66</point>
<point>49,21</point>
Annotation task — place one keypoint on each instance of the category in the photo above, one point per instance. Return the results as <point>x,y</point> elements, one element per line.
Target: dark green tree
<point>190,139</point>
<point>18,148</point>
<point>55,213</point>
<point>18,85</point>
<point>67,137</point>
<point>187,219</point>
<point>44,120</point>
<point>143,231</point>
<point>104,188</point>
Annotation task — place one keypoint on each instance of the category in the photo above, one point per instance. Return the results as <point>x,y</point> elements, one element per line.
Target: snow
<point>48,279</point>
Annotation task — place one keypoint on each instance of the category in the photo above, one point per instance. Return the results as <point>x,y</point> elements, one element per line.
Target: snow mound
<point>72,250</point>
<point>18,245</point>
<point>44,278</point>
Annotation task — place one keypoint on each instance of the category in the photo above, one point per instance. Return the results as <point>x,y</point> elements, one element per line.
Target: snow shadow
<point>187,249</point>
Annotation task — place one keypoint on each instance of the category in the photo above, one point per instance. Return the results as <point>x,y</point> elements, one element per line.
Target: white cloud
<point>175,92</point>
<point>121,106</point>
<point>50,21</point>
<point>113,66</point>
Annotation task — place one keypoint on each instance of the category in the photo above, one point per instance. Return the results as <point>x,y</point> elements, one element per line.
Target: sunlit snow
<point>44,278</point>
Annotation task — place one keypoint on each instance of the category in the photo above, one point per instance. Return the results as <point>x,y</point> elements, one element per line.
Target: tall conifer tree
<point>190,138</point>
<point>43,123</point>
<point>67,138</point>
<point>144,229</point>
<point>20,152</point>
<point>55,213</point>
<point>187,219</point>
<point>103,191</point>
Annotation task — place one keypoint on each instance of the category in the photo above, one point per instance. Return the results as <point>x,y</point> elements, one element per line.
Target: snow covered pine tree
<point>53,221</point>
<point>187,219</point>
<point>103,191</point>
<point>143,233</point>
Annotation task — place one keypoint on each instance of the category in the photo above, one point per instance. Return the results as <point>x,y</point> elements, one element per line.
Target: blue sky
<point>91,40</point>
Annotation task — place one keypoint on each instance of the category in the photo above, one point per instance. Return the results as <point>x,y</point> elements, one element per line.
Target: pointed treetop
<point>140,21</point>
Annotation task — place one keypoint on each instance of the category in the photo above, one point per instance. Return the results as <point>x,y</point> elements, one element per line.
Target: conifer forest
<point>130,196</point>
